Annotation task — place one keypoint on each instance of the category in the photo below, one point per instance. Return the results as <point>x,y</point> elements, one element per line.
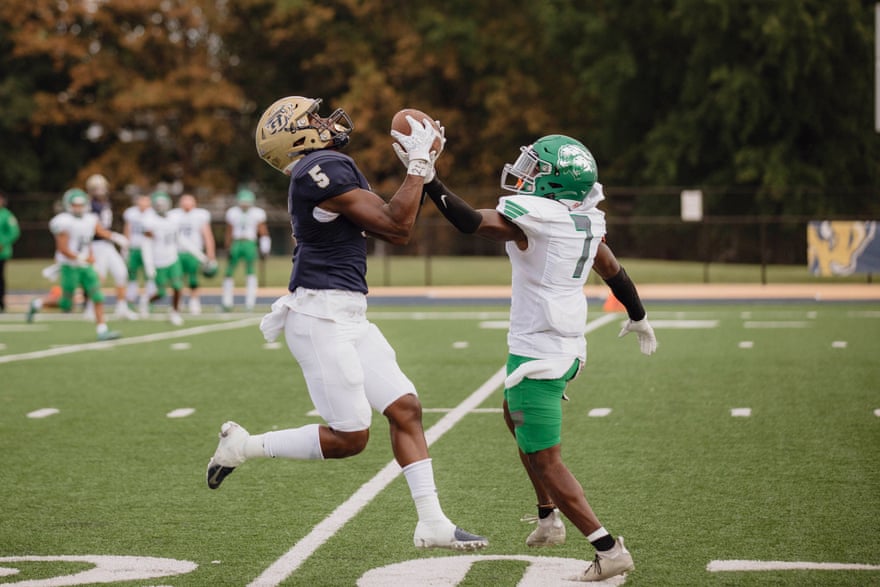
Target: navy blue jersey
<point>104,213</point>
<point>329,254</point>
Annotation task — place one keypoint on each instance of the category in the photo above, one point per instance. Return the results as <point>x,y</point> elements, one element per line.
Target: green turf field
<point>113,474</point>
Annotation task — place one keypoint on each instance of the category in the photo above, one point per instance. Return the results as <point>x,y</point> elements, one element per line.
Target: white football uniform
<point>134,218</point>
<point>164,233</point>
<point>80,231</point>
<point>548,312</point>
<point>107,257</point>
<point>190,224</point>
<point>245,222</point>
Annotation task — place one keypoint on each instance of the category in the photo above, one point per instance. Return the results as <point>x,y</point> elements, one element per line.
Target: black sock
<point>545,510</point>
<point>604,543</point>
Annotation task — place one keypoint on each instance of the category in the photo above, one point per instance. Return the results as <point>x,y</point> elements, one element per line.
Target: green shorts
<point>135,263</point>
<point>169,276</point>
<point>73,277</point>
<point>242,250</point>
<point>535,407</point>
<point>191,268</point>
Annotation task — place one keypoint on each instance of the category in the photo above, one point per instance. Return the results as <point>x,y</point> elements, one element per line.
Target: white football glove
<point>417,147</point>
<point>644,332</point>
<point>82,259</point>
<point>265,245</point>
<point>119,240</point>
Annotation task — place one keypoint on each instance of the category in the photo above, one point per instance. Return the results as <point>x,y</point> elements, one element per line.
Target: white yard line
<point>302,550</point>
<point>103,345</point>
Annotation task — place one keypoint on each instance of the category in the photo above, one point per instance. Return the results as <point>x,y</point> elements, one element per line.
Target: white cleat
<point>229,453</point>
<point>611,563</point>
<point>446,535</point>
<point>195,306</point>
<point>124,313</point>
<point>175,318</point>
<point>550,530</point>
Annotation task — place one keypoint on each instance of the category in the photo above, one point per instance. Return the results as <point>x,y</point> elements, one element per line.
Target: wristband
<point>419,167</point>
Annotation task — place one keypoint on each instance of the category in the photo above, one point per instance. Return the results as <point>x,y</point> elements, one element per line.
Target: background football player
<point>134,217</point>
<point>197,251</point>
<point>74,230</point>
<point>247,237</point>
<point>161,240</point>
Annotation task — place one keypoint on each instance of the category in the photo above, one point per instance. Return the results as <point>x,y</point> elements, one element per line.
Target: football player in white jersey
<point>107,258</point>
<point>134,217</point>
<point>246,237</point>
<point>74,230</point>
<point>554,235</point>
<point>160,250</point>
<point>197,248</point>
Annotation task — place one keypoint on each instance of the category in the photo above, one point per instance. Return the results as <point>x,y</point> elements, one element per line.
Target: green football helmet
<point>161,202</point>
<point>556,167</point>
<point>246,197</point>
<point>75,197</point>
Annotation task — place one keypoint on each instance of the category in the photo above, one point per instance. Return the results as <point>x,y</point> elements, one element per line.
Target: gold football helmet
<point>291,128</point>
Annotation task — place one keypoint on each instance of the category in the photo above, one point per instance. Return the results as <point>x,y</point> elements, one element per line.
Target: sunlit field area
<point>750,436</point>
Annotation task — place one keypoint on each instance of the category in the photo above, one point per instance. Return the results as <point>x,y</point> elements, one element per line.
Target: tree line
<point>774,99</point>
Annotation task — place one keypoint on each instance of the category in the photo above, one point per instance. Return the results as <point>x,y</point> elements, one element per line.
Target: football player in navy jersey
<point>349,367</point>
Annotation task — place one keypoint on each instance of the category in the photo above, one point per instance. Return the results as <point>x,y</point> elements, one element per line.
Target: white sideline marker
<point>746,344</point>
<point>306,547</point>
<point>877,413</point>
<point>741,412</point>
<point>181,346</point>
<point>838,344</point>
<point>746,565</point>
<point>2,347</point>
<point>460,344</point>
<point>599,412</point>
<point>43,413</point>
<point>271,346</point>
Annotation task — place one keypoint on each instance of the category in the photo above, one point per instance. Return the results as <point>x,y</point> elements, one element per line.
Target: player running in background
<point>74,229</point>
<point>197,248</point>
<point>246,237</point>
<point>161,246</point>
<point>107,257</point>
<point>134,218</point>
<point>9,233</point>
<point>349,367</point>
<point>554,235</point>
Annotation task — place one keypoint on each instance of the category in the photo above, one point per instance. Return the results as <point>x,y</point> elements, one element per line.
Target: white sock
<point>151,288</point>
<point>228,285</point>
<point>302,443</point>
<point>101,328</point>
<point>250,299</point>
<point>38,303</point>
<point>420,478</point>
<point>131,292</point>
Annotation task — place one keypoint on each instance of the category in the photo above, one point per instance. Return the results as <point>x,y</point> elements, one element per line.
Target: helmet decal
<point>575,160</point>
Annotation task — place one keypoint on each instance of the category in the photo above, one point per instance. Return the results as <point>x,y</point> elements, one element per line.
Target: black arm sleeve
<point>625,290</point>
<point>458,212</point>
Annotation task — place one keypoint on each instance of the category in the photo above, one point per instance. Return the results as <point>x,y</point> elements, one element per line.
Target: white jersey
<point>134,218</point>
<point>548,311</point>
<point>164,233</point>
<point>80,231</point>
<point>245,222</point>
<point>190,224</point>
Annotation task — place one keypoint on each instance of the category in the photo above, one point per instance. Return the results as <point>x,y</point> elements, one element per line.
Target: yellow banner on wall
<point>842,247</point>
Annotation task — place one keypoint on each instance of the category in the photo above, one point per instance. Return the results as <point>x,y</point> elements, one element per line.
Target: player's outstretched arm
<point>486,223</point>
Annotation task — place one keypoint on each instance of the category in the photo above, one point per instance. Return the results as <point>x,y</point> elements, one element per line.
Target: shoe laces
<point>530,518</point>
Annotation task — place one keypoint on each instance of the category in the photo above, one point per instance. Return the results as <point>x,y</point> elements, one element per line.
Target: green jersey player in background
<point>246,237</point>
<point>554,235</point>
<point>197,247</point>
<point>74,230</point>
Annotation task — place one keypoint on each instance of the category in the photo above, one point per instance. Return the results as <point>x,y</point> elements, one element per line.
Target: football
<point>401,125</point>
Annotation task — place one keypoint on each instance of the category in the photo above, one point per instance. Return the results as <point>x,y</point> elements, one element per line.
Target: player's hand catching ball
<point>419,140</point>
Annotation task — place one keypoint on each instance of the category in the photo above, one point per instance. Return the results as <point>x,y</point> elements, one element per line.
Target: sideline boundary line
<point>306,547</point>
<point>106,344</point>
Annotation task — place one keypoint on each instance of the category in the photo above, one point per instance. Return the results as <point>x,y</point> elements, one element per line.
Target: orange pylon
<point>612,304</point>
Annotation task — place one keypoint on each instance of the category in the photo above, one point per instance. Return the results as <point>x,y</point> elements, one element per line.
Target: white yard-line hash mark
<point>302,550</point>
